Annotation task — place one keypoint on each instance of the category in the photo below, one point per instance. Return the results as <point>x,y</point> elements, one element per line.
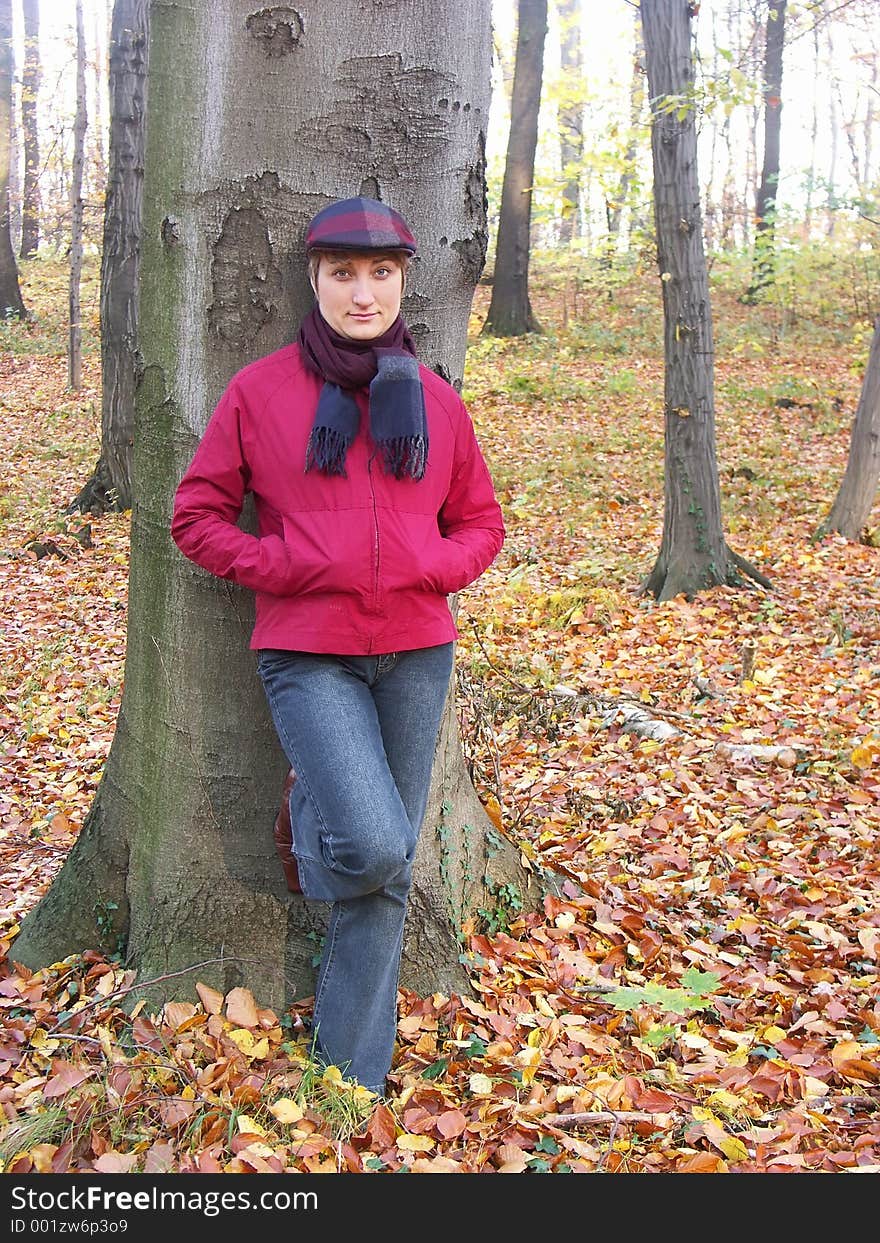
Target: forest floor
<point>703,775</point>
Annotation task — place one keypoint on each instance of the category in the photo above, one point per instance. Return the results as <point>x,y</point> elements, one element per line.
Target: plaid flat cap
<point>359,224</point>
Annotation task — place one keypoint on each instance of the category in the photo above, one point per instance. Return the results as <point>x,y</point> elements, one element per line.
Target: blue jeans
<point>360,733</point>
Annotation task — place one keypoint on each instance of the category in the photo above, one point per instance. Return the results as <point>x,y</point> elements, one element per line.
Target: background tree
<point>74,349</point>
<point>109,486</point>
<point>858,489</point>
<point>571,123</point>
<point>510,311</point>
<point>765,207</point>
<point>11,302</point>
<point>30,93</point>
<point>693,552</point>
<point>292,109</point>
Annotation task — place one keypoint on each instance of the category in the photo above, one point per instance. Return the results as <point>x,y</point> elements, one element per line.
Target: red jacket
<point>353,564</point>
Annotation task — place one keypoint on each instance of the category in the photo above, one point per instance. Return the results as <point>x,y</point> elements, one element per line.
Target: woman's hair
<point>400,257</point>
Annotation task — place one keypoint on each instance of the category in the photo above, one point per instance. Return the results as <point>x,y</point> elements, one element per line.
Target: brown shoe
<point>283,835</point>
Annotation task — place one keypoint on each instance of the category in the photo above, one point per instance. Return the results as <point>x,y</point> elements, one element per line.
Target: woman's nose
<point>362,294</point>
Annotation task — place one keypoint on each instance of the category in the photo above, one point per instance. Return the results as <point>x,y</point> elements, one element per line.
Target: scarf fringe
<point>405,455</point>
<point>326,450</point>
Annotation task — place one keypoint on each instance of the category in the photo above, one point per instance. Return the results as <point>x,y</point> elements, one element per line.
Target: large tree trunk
<point>510,310</point>
<point>11,302</point>
<point>74,346</point>
<point>765,213</point>
<point>252,126</point>
<point>30,90</point>
<point>693,553</point>
<point>858,489</point>
<point>110,484</point>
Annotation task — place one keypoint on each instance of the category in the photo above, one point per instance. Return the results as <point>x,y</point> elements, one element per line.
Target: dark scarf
<point>388,365</point>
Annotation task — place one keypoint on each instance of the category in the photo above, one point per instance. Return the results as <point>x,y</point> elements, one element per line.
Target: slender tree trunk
<point>11,302</point>
<point>833,144</point>
<point>110,484</point>
<point>571,123</point>
<point>74,348</point>
<point>858,489</point>
<point>636,100</point>
<point>251,127</point>
<point>814,136</point>
<point>510,309</point>
<point>30,92</point>
<point>765,209</point>
<point>693,553</point>
<point>97,160</point>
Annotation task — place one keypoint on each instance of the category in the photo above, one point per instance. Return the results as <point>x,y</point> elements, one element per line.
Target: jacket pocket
<point>414,556</point>
<point>330,550</point>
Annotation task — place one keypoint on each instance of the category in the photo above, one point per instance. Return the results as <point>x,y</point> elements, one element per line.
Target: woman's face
<point>359,295</point>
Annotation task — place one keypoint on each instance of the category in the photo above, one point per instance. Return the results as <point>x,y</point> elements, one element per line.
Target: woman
<point>374,504</point>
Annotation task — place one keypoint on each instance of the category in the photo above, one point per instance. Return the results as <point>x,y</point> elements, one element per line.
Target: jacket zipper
<point>375,599</point>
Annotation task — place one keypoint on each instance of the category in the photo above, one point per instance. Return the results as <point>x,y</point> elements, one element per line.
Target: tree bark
<point>110,484</point>
<point>571,122</point>
<point>693,554</point>
<point>31,77</point>
<point>765,209</point>
<point>858,489</point>
<point>510,309</point>
<point>11,302</point>
<point>74,348</point>
<point>252,126</point>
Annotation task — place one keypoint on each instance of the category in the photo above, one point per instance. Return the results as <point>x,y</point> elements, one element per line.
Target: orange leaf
<point>451,1123</point>
<point>241,1009</point>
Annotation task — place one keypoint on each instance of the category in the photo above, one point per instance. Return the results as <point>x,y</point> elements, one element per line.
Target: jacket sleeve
<point>470,518</point>
<point>208,504</point>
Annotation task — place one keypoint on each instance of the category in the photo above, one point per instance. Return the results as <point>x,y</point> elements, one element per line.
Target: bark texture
<point>11,302</point>
<point>254,123</point>
<point>858,489</point>
<point>693,553</point>
<point>30,92</point>
<point>510,310</point>
<point>109,486</point>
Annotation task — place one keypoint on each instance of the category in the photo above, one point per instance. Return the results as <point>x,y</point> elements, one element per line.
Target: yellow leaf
<point>43,1041</point>
<point>332,1076</point>
<point>480,1085</point>
<point>772,1034</point>
<point>814,1087</point>
<point>249,1126</point>
<point>244,1039</point>
<point>565,919</point>
<point>725,1100</point>
<point>529,1060</point>
<point>106,1040</point>
<point>734,1149</point>
<point>286,1111</point>
<point>543,1006</point>
<point>415,1143</point>
<point>259,1149</point>
<point>41,1155</point>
